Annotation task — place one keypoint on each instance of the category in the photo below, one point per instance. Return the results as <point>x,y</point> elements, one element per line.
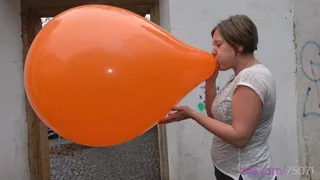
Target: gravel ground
<point>135,160</point>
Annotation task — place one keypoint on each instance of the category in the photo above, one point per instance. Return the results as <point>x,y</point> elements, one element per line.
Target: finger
<point>176,108</point>
<point>171,118</point>
<point>170,114</point>
<point>216,71</point>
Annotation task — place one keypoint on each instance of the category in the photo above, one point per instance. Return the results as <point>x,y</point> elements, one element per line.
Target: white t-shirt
<point>255,157</point>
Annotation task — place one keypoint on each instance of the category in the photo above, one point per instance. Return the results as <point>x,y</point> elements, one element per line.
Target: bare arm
<point>210,94</point>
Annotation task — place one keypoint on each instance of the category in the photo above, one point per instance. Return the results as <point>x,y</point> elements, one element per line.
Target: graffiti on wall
<point>201,98</point>
<point>310,64</point>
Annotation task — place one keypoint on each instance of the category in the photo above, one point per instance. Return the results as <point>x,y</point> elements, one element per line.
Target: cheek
<point>223,54</point>
<point>227,53</point>
<point>225,59</point>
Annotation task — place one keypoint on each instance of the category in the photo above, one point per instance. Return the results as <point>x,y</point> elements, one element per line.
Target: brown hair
<point>239,30</point>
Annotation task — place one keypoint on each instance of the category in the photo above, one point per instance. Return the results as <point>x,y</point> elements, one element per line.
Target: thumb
<point>177,108</point>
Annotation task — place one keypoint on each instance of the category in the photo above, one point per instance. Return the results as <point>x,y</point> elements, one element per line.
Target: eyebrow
<point>217,41</point>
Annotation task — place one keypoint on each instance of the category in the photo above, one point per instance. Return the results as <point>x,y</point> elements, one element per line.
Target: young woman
<point>239,116</point>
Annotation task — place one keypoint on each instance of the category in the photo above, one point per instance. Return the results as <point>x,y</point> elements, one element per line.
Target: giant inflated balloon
<point>100,75</point>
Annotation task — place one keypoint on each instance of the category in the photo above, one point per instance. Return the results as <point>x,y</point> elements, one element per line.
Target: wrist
<point>210,81</point>
<point>193,114</point>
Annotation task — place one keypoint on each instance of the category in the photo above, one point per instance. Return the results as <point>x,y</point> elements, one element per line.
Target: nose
<point>214,52</point>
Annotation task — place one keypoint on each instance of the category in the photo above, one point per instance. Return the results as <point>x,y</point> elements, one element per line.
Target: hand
<point>214,76</point>
<point>182,113</point>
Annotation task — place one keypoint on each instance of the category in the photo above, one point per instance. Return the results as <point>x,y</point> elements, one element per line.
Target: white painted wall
<point>191,21</point>
<point>307,27</point>
<point>13,132</point>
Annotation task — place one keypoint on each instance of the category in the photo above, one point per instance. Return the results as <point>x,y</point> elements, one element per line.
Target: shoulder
<point>259,78</point>
<point>258,71</point>
<point>259,74</point>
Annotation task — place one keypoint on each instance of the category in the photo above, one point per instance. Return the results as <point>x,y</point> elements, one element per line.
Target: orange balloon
<point>100,75</point>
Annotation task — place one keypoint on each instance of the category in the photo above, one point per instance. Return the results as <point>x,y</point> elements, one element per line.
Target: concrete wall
<point>13,134</point>
<point>307,27</point>
<point>188,143</point>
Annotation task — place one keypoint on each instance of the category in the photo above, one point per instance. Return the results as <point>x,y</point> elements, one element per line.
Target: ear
<point>240,48</point>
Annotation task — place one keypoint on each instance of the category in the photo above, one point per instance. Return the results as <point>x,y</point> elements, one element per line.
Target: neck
<point>244,61</point>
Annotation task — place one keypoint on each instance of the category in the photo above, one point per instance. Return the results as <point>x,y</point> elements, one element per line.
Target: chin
<point>223,68</point>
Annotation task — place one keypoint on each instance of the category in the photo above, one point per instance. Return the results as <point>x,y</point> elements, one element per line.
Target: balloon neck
<point>203,57</point>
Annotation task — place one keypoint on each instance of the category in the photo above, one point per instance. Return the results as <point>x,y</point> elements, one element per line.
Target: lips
<point>218,64</point>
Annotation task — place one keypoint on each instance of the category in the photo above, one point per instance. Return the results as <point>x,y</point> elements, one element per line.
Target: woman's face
<point>223,52</point>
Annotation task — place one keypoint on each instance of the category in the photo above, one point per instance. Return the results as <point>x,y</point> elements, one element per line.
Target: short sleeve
<point>255,81</point>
